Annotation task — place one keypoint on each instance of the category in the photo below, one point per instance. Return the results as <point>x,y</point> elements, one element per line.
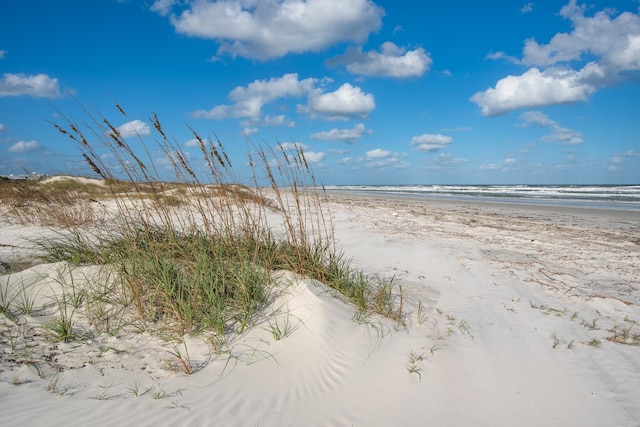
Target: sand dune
<point>515,316</point>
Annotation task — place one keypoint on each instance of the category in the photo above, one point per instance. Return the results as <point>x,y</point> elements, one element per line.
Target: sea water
<point>589,196</point>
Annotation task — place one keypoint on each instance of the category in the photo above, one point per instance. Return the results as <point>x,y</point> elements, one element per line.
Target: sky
<point>375,92</point>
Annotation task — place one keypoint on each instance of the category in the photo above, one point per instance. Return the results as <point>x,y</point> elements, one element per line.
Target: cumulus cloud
<point>558,133</point>
<point>134,128</point>
<point>39,85</point>
<point>391,61</point>
<point>249,100</point>
<point>429,142</point>
<point>314,157</point>
<point>24,146</point>
<point>271,29</point>
<point>348,101</point>
<point>537,88</point>
<point>616,41</point>
<point>3,53</point>
<point>344,135</point>
<point>612,44</point>
<point>2,127</point>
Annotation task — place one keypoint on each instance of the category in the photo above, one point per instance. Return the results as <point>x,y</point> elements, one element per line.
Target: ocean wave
<point>606,196</point>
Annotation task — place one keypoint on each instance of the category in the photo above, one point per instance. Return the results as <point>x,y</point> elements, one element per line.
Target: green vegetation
<point>193,253</point>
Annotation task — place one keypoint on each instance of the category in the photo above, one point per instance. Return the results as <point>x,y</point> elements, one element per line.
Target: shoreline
<point>542,203</point>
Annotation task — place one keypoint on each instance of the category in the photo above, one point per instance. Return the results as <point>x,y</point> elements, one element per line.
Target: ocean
<point>625,197</point>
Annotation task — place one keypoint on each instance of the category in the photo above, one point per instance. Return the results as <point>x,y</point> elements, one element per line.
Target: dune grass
<point>196,251</point>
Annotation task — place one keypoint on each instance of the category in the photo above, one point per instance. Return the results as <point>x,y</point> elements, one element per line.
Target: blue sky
<point>377,92</point>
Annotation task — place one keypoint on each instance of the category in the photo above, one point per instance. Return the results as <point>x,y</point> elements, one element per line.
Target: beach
<point>514,314</point>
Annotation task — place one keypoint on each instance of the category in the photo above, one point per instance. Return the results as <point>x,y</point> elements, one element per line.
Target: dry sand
<point>527,317</point>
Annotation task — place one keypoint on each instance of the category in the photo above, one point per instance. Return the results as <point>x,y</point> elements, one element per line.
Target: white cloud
<point>445,161</point>
<point>280,120</point>
<point>527,8</point>
<point>537,88</point>
<point>134,128</point>
<point>346,161</point>
<point>338,151</point>
<point>267,120</point>
<point>39,85</point>
<point>611,44</point>
<point>615,41</point>
<point>378,153</point>
<point>24,146</point>
<point>2,127</point>
<point>163,7</point>
<point>564,136</point>
<point>292,146</point>
<point>392,161</point>
<point>313,157</point>
<point>345,135</point>
<point>347,101</point>
<point>558,133</point>
<point>629,156</point>
<point>391,61</point>
<point>271,29</point>
<point>249,131</point>
<point>429,142</point>
<point>3,53</point>
<point>502,55</point>
<point>248,101</point>
<point>535,119</point>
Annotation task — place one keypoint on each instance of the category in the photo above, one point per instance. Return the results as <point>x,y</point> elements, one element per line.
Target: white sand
<point>78,179</point>
<point>512,296</point>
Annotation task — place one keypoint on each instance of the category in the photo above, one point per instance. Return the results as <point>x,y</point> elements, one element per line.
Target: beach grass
<point>195,251</point>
